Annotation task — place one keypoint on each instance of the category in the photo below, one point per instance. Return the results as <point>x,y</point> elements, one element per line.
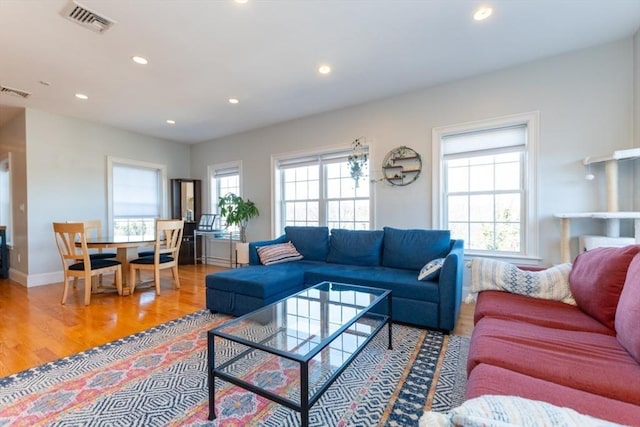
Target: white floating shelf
<point>631,153</point>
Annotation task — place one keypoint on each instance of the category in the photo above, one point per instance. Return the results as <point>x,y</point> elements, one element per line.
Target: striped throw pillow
<point>275,254</point>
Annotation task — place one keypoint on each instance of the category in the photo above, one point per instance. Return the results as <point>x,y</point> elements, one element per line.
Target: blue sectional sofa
<point>389,258</point>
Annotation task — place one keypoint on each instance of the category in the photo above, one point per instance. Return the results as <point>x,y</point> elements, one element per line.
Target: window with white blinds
<point>137,195</point>
<point>317,189</point>
<point>486,192</point>
<point>224,179</point>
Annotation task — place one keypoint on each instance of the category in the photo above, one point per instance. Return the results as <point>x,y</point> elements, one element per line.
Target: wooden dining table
<point>126,250</point>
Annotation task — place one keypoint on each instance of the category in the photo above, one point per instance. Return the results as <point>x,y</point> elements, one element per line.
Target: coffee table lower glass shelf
<point>291,351</point>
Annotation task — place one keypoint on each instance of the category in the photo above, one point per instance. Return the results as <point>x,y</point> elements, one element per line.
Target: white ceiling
<point>266,54</point>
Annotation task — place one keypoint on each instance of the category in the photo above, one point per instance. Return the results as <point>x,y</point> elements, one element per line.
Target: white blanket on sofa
<point>552,283</point>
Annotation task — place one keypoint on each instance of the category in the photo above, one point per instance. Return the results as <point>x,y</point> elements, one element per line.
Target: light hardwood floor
<point>35,328</point>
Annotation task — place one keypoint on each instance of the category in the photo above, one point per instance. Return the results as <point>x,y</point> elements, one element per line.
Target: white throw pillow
<point>278,253</point>
<point>431,270</point>
<point>551,284</point>
<point>510,411</point>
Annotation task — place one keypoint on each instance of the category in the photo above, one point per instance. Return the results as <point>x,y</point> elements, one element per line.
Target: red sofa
<point>585,357</point>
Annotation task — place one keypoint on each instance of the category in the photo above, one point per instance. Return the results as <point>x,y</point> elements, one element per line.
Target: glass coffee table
<point>291,351</point>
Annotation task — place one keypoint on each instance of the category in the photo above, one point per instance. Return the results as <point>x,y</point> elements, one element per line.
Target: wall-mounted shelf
<point>401,166</point>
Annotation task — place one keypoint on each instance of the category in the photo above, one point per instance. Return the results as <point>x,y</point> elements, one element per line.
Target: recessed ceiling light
<point>324,69</point>
<point>171,122</point>
<point>242,1</point>
<point>139,60</point>
<point>233,101</point>
<point>482,13</point>
<point>81,96</point>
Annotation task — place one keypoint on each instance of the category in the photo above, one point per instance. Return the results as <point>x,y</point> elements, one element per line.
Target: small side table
<point>4,253</point>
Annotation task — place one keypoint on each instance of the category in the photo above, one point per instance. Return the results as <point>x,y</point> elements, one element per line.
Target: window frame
<point>323,157</point>
<point>529,253</point>
<point>213,198</point>
<point>163,185</point>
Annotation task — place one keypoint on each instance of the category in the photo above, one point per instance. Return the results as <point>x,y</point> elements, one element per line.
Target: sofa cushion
<point>597,278</point>
<point>356,247</point>
<point>489,379</point>
<point>278,253</point>
<point>402,283</point>
<point>628,312</point>
<point>311,242</point>
<point>591,362</point>
<point>260,281</point>
<point>411,249</point>
<point>553,314</point>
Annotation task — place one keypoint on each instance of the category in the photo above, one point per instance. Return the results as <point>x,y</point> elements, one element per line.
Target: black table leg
<point>304,394</point>
<point>212,379</point>
<point>390,313</point>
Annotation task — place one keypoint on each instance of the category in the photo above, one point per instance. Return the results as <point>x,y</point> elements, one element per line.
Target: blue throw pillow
<point>411,249</point>
<point>311,242</point>
<point>356,247</point>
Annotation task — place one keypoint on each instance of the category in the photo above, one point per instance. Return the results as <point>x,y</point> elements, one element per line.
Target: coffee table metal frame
<point>306,401</point>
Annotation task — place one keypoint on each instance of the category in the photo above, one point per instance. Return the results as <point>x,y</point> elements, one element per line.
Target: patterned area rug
<point>158,378</point>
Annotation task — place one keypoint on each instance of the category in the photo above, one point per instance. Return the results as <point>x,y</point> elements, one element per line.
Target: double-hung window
<point>317,189</point>
<point>136,196</point>
<point>484,185</point>
<point>224,179</point>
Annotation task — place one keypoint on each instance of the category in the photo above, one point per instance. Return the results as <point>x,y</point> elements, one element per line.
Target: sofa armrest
<point>450,285</point>
<point>253,248</point>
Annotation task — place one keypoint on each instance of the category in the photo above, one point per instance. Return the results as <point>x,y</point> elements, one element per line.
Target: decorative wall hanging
<point>357,159</point>
<point>401,166</point>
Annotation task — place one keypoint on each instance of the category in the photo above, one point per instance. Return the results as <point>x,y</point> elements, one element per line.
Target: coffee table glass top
<point>299,326</point>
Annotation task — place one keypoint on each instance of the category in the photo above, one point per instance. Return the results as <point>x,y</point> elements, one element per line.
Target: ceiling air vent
<point>87,18</point>
<point>15,92</point>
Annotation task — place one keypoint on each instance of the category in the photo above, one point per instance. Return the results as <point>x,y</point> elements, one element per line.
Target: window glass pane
<point>362,211</point>
<point>458,208</point>
<point>507,237</point>
<point>457,179</point>
<point>508,176</point>
<point>481,178</point>
<point>481,208</point>
<point>508,207</point>
<point>460,230</point>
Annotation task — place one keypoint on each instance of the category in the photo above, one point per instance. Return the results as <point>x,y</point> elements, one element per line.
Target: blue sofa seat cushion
<point>412,249</point>
<point>260,281</point>
<point>311,242</point>
<point>402,283</point>
<point>356,247</point>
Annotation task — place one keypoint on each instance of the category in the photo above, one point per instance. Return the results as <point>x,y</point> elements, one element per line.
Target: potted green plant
<point>237,211</point>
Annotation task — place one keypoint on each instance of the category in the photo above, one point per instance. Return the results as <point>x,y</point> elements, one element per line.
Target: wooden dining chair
<point>93,228</point>
<point>76,262</point>
<point>165,254</point>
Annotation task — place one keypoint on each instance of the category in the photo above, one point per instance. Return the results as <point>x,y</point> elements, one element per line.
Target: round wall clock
<point>401,166</point>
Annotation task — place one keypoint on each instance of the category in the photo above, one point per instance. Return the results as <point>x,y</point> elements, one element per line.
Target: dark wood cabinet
<point>186,204</point>
<point>188,242</point>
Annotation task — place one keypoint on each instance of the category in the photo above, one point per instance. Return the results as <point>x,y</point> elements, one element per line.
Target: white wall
<point>67,178</point>
<point>585,100</point>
